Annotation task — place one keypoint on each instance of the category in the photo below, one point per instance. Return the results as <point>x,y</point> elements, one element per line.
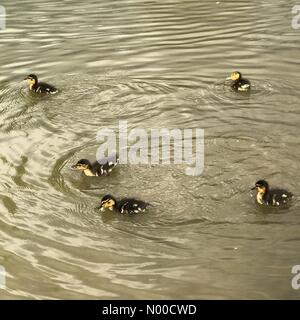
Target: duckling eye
<point>261,189</point>
<point>107,204</point>
<point>234,76</point>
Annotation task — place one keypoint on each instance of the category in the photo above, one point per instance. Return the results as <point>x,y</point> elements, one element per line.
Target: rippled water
<point>155,64</point>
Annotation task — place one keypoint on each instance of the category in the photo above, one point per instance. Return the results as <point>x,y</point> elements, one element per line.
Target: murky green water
<point>155,64</point>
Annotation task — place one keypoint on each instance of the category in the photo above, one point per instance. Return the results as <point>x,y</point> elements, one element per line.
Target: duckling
<point>126,205</point>
<point>271,197</point>
<point>96,169</point>
<point>39,87</point>
<point>238,82</point>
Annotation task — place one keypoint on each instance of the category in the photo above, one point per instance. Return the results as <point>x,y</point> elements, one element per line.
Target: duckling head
<point>108,202</point>
<point>32,79</point>
<point>261,187</point>
<point>82,165</point>
<point>235,76</point>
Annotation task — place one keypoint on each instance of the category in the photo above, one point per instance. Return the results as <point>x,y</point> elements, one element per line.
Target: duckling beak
<point>253,188</point>
<point>228,78</point>
<point>26,78</point>
<point>73,167</point>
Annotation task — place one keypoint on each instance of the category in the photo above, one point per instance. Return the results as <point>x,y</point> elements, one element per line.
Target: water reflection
<point>155,65</point>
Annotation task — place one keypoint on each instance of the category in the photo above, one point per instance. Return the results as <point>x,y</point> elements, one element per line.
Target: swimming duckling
<point>238,82</point>
<point>103,167</point>
<point>271,197</point>
<point>39,87</point>
<point>125,205</point>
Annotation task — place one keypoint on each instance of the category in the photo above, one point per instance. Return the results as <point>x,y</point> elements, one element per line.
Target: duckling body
<point>124,206</point>
<point>39,87</point>
<point>96,168</point>
<point>271,197</point>
<point>238,82</point>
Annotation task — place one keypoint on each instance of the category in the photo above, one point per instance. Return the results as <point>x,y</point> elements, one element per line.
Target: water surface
<point>156,64</point>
